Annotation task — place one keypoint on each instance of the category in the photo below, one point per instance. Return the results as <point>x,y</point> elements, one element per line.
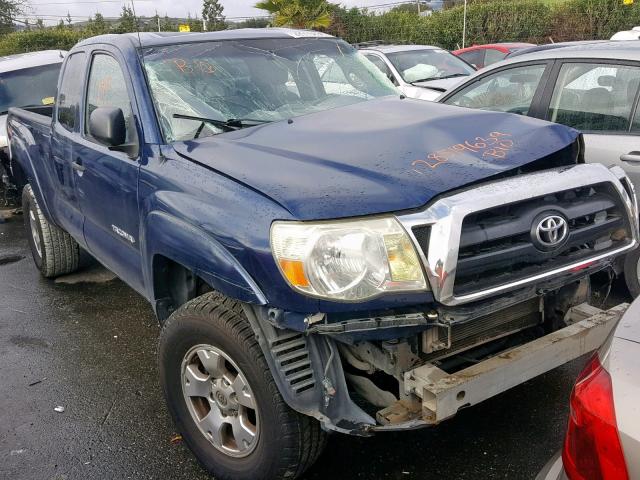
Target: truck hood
<point>378,156</point>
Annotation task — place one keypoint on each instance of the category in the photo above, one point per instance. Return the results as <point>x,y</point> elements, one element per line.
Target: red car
<point>482,55</point>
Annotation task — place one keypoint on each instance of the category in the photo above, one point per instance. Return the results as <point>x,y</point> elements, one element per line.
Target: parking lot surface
<point>87,343</point>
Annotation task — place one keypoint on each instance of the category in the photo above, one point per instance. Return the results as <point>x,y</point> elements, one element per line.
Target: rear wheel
<point>223,399</point>
<point>54,252</point>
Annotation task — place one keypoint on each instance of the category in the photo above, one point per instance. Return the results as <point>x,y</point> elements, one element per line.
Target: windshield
<point>247,82</point>
<point>29,87</point>
<point>429,64</point>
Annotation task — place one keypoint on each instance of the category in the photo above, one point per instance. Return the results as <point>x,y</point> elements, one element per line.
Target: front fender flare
<point>193,248</point>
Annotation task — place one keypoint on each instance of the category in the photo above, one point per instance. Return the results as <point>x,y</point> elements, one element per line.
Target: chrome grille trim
<point>445,217</point>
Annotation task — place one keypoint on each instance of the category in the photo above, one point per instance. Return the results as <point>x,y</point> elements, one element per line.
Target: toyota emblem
<point>551,231</point>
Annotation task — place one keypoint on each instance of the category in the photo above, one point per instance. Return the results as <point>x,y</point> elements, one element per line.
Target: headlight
<point>347,260</point>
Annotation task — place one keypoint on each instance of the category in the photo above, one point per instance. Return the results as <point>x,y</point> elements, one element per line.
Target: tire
<point>632,272</point>
<point>54,252</point>
<point>286,442</point>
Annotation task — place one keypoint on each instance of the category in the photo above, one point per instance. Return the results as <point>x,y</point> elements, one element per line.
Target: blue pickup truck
<point>323,254</point>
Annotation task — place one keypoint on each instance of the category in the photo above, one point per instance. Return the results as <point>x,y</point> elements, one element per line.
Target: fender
<point>193,248</point>
<point>22,141</point>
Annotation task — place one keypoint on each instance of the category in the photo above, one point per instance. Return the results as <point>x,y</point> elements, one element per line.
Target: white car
<point>26,80</point>
<point>419,71</point>
<point>633,34</point>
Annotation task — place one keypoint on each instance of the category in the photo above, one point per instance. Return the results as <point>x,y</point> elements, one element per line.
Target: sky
<point>81,9</point>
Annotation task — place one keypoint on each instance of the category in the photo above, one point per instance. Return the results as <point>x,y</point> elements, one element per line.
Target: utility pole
<point>418,5</point>
<point>464,24</point>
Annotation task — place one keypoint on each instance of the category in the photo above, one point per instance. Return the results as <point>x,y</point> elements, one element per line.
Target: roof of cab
<point>33,59</point>
<point>152,39</point>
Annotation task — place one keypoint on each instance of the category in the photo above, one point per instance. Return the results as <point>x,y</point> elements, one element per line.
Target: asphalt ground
<point>88,344</point>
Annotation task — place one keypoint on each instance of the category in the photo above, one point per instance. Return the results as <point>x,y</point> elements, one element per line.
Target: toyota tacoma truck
<point>321,257</point>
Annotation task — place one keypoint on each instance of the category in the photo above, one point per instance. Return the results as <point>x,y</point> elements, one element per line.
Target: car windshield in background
<point>228,85</point>
<point>428,64</point>
<point>28,87</point>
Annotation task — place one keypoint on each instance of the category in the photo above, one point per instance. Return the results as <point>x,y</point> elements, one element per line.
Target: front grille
<point>497,245</point>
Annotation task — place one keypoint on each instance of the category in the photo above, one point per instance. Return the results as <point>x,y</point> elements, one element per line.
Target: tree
<point>212,15</point>
<point>128,21</point>
<point>153,24</point>
<point>299,13</point>
<point>166,25</point>
<point>9,9</point>
<point>39,24</point>
<point>68,19</point>
<point>97,26</point>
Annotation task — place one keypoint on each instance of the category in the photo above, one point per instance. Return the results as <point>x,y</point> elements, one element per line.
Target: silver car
<point>419,71</point>
<point>603,434</point>
<point>593,87</point>
<point>26,80</point>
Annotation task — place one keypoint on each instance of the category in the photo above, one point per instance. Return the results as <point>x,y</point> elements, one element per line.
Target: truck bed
<point>30,132</point>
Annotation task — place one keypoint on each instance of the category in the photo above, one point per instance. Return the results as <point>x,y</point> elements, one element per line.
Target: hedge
<point>535,21</point>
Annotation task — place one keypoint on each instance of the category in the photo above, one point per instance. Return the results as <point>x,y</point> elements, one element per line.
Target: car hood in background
<point>3,131</point>
<point>378,156</point>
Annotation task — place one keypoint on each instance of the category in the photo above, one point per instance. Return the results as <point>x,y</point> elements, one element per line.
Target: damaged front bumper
<point>430,394</point>
<point>442,395</point>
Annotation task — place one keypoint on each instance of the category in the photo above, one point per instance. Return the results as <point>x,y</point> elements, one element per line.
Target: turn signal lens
<point>293,270</point>
<point>592,449</point>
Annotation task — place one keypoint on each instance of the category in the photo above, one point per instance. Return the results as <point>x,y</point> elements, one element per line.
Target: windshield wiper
<point>227,125</point>
<point>453,75</point>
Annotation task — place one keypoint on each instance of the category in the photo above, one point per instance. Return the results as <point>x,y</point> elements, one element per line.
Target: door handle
<point>78,167</point>
<point>631,157</point>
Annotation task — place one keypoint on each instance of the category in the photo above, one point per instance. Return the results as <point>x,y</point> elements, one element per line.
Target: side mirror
<point>107,125</point>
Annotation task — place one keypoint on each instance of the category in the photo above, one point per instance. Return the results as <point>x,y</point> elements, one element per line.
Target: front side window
<point>428,64</point>
<point>208,88</point>
<point>70,93</point>
<point>595,97</point>
<point>509,90</point>
<point>29,87</point>
<point>107,88</point>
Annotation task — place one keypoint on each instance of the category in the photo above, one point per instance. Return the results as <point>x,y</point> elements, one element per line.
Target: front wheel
<point>223,399</point>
